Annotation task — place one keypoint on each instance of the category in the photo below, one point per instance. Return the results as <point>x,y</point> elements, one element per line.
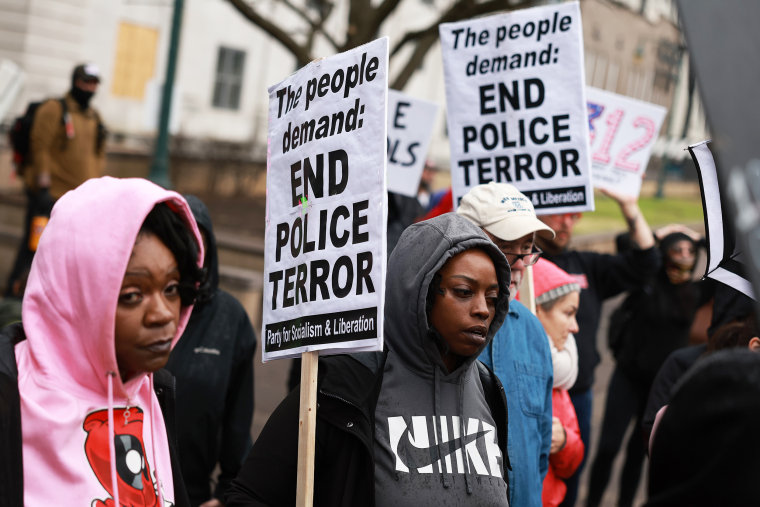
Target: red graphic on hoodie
<point>132,469</point>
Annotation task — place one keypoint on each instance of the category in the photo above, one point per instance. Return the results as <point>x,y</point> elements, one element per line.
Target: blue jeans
<point>582,401</point>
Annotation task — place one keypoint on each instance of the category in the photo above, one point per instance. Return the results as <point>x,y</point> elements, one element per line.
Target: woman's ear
<point>754,344</point>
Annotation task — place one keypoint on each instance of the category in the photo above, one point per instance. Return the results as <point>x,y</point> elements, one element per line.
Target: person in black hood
<point>422,423</point>
<point>213,365</point>
<point>653,321</point>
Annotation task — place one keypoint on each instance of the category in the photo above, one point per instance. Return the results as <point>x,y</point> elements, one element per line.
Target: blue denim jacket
<point>520,356</point>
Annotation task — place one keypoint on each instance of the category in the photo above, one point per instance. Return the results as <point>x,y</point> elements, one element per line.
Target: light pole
<point>159,169</point>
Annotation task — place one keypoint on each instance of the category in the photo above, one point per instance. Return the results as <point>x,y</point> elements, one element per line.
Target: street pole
<point>159,169</point>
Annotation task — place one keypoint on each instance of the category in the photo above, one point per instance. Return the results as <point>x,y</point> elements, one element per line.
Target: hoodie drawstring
<point>437,420</point>
<point>111,437</point>
<point>461,437</point>
<point>153,451</point>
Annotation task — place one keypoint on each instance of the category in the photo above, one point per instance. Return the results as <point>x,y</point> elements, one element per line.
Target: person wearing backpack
<point>59,147</point>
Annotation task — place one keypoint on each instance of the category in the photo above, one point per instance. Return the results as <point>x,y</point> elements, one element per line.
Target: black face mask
<point>82,96</point>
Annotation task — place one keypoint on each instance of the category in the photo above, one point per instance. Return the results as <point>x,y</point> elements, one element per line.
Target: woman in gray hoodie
<point>421,423</point>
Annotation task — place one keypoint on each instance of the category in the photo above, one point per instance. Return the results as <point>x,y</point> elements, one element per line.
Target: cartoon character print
<point>132,469</point>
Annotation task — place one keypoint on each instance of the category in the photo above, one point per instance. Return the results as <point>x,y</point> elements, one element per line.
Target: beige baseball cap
<point>503,211</point>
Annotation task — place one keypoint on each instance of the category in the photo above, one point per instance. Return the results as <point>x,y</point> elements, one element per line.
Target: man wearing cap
<point>519,353</point>
<point>601,276</point>
<point>66,146</point>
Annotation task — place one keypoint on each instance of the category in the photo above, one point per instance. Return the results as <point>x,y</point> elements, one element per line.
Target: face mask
<point>82,97</point>
<point>678,272</point>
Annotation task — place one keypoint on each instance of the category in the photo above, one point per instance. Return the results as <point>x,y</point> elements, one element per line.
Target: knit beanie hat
<point>551,282</point>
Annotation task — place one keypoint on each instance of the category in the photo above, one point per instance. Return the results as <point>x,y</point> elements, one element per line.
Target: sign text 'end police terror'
<point>339,225</point>
<point>498,98</point>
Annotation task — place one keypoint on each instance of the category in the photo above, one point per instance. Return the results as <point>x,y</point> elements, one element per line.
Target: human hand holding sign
<point>638,227</point>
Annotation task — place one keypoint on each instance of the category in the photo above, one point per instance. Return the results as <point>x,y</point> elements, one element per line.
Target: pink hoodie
<point>68,377</point>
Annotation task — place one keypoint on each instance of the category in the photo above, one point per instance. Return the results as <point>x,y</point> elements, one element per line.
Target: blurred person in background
<point>66,148</point>
<point>425,191</point>
<point>733,325</point>
<point>653,321</point>
<point>600,276</point>
<point>705,448</point>
<point>213,365</point>
<point>556,295</point>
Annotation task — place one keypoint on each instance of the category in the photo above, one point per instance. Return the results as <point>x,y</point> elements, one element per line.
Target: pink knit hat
<point>551,282</point>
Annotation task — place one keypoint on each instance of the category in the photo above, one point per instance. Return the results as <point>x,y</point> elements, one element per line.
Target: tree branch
<point>316,26</point>
<point>382,12</point>
<point>302,55</point>
<point>458,11</point>
<point>363,25</point>
<point>414,61</point>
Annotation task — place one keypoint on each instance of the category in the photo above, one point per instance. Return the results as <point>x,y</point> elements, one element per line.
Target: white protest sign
<point>410,128</point>
<point>324,265</point>
<point>622,132</point>
<point>516,105</point>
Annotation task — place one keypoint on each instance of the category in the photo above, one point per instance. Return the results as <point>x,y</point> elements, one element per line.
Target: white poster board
<point>324,265</point>
<point>410,128</point>
<point>516,105</point>
<point>622,132</point>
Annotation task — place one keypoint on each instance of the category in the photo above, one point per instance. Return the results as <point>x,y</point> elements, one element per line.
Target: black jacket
<point>674,367</point>
<point>601,276</point>
<point>213,365</point>
<point>11,453</point>
<point>348,388</point>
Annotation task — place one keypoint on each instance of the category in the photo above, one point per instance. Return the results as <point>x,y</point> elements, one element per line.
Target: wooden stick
<point>527,291</point>
<point>307,425</point>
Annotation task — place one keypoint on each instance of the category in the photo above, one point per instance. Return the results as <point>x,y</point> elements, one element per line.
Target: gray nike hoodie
<point>435,437</point>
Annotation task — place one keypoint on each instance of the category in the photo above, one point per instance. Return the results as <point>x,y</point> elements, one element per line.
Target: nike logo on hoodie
<point>414,450</point>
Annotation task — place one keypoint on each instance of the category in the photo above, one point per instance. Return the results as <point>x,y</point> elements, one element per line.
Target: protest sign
<point>622,132</point>
<point>410,127</point>
<point>725,261</point>
<point>516,105</point>
<point>324,265</point>
<point>727,80</point>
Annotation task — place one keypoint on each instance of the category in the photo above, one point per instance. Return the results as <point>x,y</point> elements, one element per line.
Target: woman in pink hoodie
<point>109,294</point>
<point>557,295</point>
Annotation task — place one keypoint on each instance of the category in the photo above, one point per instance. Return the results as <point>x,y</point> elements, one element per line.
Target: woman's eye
<point>172,290</point>
<point>462,293</point>
<point>130,298</point>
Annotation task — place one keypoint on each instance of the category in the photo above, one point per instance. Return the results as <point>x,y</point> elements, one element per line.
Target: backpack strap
<point>64,110</point>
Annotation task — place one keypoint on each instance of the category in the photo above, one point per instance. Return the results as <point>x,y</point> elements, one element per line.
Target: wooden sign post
<point>325,236</point>
<point>307,426</point>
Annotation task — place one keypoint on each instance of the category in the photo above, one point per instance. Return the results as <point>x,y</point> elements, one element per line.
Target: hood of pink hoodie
<point>68,358</point>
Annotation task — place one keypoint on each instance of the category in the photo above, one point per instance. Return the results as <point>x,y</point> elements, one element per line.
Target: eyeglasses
<point>528,258</point>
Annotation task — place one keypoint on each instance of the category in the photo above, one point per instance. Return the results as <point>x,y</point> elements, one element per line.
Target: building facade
<point>225,64</point>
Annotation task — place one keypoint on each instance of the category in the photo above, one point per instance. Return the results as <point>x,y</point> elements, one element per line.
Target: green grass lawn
<point>658,212</point>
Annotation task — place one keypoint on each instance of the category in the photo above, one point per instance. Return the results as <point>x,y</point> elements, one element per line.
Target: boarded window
<point>135,61</point>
